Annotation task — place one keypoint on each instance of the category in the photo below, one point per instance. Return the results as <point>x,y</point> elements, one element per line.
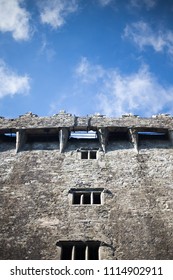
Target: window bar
<point>81,199</point>
<point>91,198</point>
<point>73,253</point>
<point>86,253</point>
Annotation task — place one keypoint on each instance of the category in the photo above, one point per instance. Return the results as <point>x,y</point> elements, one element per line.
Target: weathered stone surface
<point>135,220</point>
<point>68,120</point>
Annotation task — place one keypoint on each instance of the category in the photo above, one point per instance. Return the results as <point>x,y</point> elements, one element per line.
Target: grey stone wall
<point>135,220</point>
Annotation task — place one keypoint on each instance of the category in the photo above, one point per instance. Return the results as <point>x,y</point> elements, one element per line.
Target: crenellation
<point>73,122</point>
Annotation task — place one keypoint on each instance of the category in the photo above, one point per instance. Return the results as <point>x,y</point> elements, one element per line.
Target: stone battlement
<point>63,119</point>
<point>61,127</point>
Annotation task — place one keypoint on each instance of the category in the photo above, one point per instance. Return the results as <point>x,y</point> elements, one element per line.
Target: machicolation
<point>86,187</point>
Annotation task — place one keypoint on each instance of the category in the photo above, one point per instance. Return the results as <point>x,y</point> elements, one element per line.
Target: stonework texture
<point>135,217</point>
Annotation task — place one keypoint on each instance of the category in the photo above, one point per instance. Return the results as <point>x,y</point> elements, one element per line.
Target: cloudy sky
<point>86,56</point>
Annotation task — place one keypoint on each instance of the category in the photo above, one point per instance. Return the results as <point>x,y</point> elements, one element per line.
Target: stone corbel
<point>63,138</point>
<point>103,137</point>
<point>134,138</point>
<point>20,139</point>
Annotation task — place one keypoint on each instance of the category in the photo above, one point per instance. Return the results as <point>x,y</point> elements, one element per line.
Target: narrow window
<point>86,196</point>
<point>93,154</point>
<point>89,154</point>
<point>66,252</point>
<point>79,250</point>
<point>76,198</point>
<point>93,252</point>
<point>96,197</point>
<point>84,155</point>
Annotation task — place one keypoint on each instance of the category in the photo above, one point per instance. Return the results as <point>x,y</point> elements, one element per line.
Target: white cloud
<point>14,19</point>
<point>54,12</point>
<point>116,93</point>
<point>143,35</point>
<point>11,83</point>
<point>104,3</point>
<point>148,4</point>
<point>87,72</point>
<point>46,50</point>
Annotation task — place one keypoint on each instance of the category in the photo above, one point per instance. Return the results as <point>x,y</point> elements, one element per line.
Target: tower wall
<point>38,181</point>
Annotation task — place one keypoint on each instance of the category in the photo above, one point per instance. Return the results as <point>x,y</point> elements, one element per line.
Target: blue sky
<point>86,56</point>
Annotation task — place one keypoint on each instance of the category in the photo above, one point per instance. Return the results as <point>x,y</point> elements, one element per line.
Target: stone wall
<point>135,219</point>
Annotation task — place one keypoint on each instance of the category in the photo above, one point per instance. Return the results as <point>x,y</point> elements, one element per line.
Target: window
<point>84,155</point>
<point>83,197</point>
<point>79,250</point>
<point>89,154</point>
<point>92,154</point>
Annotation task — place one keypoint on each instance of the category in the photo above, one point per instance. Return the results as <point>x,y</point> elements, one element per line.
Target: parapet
<point>61,127</point>
<point>63,119</point>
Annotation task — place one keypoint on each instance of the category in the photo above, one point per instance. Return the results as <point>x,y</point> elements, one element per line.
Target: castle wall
<point>133,221</point>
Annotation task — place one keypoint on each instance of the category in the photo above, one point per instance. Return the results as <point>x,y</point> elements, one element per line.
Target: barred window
<point>79,250</point>
<point>86,196</point>
<point>88,154</point>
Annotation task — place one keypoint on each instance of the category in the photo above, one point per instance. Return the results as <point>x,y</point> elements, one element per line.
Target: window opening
<point>84,155</point>
<point>42,135</point>
<point>152,135</point>
<point>83,197</point>
<point>88,154</point>
<point>66,252</point>
<point>96,198</point>
<point>78,250</point>
<point>118,136</point>
<point>93,154</point>
<point>8,137</point>
<point>84,134</point>
<point>76,198</point>
<point>86,198</point>
<point>93,252</point>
